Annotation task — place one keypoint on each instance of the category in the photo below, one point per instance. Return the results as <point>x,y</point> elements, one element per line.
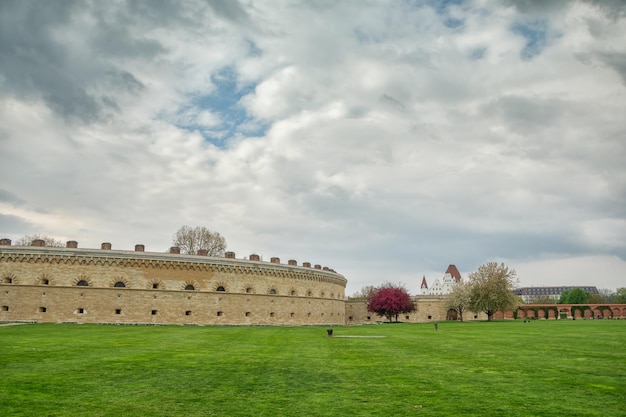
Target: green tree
<point>460,297</point>
<point>604,296</point>
<point>192,239</point>
<point>620,295</point>
<point>574,296</point>
<point>492,289</point>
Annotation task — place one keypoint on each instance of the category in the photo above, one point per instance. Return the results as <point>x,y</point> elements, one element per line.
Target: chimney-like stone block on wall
<point>175,250</point>
<point>5,242</point>
<point>38,242</point>
<point>317,266</point>
<point>140,248</point>
<point>203,252</point>
<point>306,264</point>
<point>72,244</point>
<point>292,262</point>
<point>229,255</point>
<point>255,257</point>
<point>275,260</point>
<point>326,268</point>
<point>106,246</point>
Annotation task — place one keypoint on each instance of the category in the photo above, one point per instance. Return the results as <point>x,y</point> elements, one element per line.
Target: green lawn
<point>545,368</point>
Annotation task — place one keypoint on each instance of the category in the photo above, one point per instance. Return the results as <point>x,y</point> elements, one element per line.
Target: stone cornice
<point>155,260</point>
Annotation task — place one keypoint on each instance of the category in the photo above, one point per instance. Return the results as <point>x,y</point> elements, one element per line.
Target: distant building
<point>531,294</point>
<point>443,287</point>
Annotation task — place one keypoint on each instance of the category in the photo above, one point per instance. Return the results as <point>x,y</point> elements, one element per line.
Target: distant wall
<point>430,308</point>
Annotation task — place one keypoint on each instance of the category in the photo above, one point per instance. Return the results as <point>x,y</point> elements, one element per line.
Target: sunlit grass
<point>545,368</point>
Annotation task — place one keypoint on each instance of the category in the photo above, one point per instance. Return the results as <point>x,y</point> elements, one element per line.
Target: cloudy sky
<point>383,139</point>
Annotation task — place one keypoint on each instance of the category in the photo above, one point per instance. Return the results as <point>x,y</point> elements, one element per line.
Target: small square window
<point>5,308</point>
<point>155,286</point>
<point>42,309</point>
<point>81,310</point>
<point>247,314</point>
<point>45,281</point>
<point>272,314</point>
<point>220,313</point>
<point>118,311</point>
<point>8,280</point>
<point>153,312</point>
<point>188,313</point>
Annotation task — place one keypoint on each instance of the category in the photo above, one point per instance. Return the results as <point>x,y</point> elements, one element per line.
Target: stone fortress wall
<point>71,284</point>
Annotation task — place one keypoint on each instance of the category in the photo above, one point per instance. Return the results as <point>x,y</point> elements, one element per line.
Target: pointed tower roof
<point>424,284</point>
<point>454,272</point>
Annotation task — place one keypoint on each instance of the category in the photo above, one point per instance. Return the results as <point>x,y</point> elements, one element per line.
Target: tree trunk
<point>461,315</point>
<point>489,315</point>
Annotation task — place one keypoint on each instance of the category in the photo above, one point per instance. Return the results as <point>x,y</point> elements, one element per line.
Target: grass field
<point>545,368</point>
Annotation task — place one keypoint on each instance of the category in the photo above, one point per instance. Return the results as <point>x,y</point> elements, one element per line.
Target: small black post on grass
<point>436,326</point>
<point>330,332</point>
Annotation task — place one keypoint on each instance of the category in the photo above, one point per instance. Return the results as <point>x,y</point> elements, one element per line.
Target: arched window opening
<point>220,313</point>
<point>272,291</point>
<point>293,292</point>
<point>119,284</point>
<point>82,283</point>
<point>220,288</point>
<point>190,287</point>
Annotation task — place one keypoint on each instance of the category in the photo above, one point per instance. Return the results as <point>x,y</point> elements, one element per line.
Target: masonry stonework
<point>48,284</point>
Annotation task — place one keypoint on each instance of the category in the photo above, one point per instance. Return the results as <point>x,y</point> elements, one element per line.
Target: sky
<point>382,139</point>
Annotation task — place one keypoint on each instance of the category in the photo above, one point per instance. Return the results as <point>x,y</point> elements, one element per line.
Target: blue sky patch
<point>535,34</point>
<point>224,102</point>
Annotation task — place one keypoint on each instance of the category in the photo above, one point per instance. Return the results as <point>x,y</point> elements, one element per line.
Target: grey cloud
<point>124,80</point>
<point>14,225</point>
<point>389,101</point>
<point>34,63</point>
<point>230,9</point>
<point>616,61</point>
<point>614,9</point>
<point>524,114</point>
<point>535,7</point>
<point>9,197</point>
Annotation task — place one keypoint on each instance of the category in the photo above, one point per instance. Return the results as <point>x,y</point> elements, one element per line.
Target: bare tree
<point>26,240</point>
<point>364,293</point>
<point>492,288</point>
<point>460,297</point>
<point>191,239</point>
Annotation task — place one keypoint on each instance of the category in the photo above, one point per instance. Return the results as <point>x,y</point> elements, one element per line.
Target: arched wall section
<point>43,287</point>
